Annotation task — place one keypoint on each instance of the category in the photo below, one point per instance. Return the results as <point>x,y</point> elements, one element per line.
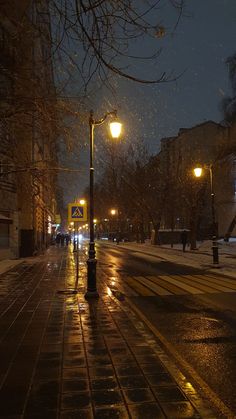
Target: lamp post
<point>215,253</point>
<point>115,213</point>
<point>115,129</point>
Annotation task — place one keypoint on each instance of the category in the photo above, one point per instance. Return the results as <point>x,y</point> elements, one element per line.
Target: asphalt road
<point>193,310</point>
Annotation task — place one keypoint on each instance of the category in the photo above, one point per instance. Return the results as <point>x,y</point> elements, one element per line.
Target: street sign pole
<point>76,212</point>
<point>74,242</point>
<point>77,258</point>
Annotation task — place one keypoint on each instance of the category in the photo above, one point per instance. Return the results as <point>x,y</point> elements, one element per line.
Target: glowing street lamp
<point>198,171</point>
<point>115,129</point>
<point>113,211</point>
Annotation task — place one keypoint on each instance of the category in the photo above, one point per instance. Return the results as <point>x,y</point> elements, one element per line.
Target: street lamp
<point>198,173</point>
<point>115,129</point>
<point>113,211</point>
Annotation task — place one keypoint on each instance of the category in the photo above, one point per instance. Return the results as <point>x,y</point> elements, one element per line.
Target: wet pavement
<point>65,357</point>
<point>193,310</point>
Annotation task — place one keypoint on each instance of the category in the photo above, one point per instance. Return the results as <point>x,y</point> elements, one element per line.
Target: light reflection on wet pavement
<point>63,356</point>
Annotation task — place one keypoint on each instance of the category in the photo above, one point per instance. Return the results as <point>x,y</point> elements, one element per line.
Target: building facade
<point>28,130</point>
<point>211,146</point>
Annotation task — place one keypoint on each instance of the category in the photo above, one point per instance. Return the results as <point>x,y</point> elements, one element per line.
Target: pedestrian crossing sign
<point>77,212</point>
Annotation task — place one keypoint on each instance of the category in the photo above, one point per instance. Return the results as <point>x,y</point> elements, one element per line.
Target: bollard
<point>215,250</point>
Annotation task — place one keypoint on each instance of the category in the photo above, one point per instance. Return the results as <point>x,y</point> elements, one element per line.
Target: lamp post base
<point>91,283</point>
<point>91,295</point>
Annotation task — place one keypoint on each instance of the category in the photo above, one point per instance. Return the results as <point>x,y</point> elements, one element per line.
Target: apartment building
<point>27,129</point>
<point>211,146</point>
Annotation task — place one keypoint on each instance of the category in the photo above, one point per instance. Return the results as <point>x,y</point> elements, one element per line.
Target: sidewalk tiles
<point>64,357</point>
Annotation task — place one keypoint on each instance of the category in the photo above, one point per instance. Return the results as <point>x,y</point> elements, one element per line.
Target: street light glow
<point>113,211</point>
<point>82,201</point>
<point>115,128</point>
<point>198,171</point>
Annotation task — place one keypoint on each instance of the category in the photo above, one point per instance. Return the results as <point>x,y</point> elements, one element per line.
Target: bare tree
<point>133,183</point>
<point>97,38</point>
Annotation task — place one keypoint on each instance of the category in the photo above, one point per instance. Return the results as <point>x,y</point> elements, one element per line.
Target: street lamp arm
<point>208,166</point>
<point>93,122</point>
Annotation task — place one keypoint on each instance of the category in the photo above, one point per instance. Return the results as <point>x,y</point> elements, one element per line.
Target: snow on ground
<point>201,258</point>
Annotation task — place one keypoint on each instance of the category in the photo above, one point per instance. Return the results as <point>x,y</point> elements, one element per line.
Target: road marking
<point>188,288</point>
<point>177,285</point>
<point>148,282</point>
<point>120,282</point>
<point>212,283</point>
<point>200,282</point>
<point>220,283</point>
<point>173,289</point>
<point>212,396</point>
<point>139,287</point>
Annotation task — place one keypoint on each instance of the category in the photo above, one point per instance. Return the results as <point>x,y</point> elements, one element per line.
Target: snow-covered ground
<point>200,258</point>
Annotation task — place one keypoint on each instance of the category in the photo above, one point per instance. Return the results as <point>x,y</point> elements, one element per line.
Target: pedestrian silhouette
<point>62,240</point>
<point>67,237</point>
<point>58,239</point>
<point>184,239</point>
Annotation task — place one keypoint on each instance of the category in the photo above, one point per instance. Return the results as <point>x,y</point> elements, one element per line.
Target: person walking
<point>184,239</point>
<point>58,239</point>
<point>62,240</point>
<point>67,237</point>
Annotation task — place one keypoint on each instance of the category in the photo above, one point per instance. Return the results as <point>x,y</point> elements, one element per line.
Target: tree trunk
<point>193,229</point>
<point>155,238</point>
<point>230,229</point>
<point>142,236</point>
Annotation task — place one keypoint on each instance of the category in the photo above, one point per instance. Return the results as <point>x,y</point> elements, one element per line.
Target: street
<point>117,209</point>
<point>194,310</point>
<point>158,343</point>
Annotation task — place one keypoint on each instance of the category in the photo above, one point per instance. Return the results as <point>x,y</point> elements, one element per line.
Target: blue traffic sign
<point>77,212</point>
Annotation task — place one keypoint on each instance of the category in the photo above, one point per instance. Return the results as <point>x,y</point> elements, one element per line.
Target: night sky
<point>204,39</point>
